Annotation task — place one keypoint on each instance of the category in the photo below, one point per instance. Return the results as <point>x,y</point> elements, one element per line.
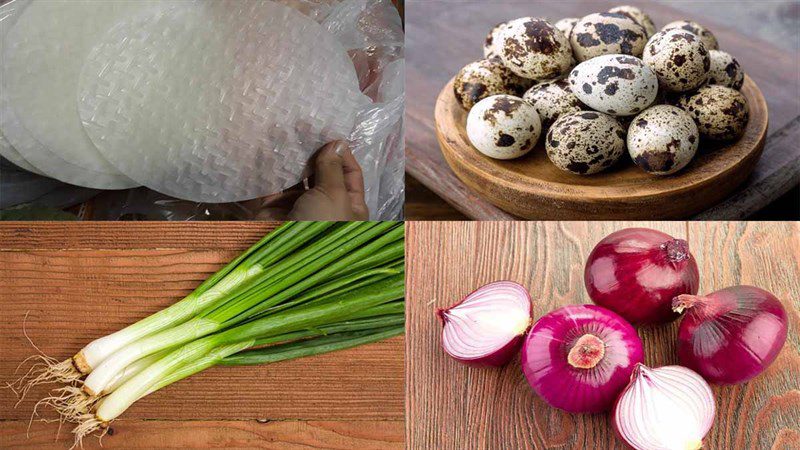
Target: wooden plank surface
<point>141,434</point>
<point>451,406</point>
<point>423,204</point>
<point>80,281</point>
<point>443,36</point>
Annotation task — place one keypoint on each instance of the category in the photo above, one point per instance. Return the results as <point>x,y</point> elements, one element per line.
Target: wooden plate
<point>533,188</point>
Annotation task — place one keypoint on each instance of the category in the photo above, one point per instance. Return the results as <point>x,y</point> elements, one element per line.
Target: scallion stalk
<point>312,265</point>
<point>306,288</point>
<point>247,266</point>
<point>288,321</point>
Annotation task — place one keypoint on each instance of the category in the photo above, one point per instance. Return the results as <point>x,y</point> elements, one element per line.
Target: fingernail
<point>340,147</point>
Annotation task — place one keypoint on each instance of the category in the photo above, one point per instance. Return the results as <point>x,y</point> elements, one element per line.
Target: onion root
<point>47,370</point>
<point>89,424</point>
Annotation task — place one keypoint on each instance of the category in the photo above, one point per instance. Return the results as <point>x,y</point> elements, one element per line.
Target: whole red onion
<point>731,335</point>
<point>636,272</point>
<point>579,357</point>
<point>487,326</point>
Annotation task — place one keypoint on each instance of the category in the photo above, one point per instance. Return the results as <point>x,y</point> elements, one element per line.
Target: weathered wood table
<point>442,36</point>
<point>77,282</point>
<point>452,406</point>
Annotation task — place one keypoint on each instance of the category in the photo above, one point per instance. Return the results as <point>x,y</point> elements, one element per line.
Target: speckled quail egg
<point>533,48</point>
<point>503,127</point>
<point>607,33</point>
<point>725,70</point>
<point>489,46</point>
<point>708,38</point>
<point>638,16</point>
<point>721,113</point>
<point>552,100</point>
<point>484,78</point>
<point>566,25</point>
<point>620,85</point>
<point>663,139</point>
<point>679,59</point>
<point>585,143</point>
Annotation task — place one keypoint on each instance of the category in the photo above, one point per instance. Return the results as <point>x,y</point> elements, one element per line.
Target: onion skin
<point>636,272</point>
<point>546,352</point>
<point>502,355</point>
<point>731,335</point>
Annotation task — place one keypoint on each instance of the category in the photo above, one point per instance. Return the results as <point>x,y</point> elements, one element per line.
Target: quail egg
<point>708,38</point>
<point>552,100</point>
<point>679,59</point>
<point>638,16</point>
<point>607,33</point>
<point>489,46</point>
<point>533,48</point>
<point>484,78</point>
<point>721,113</point>
<point>503,127</point>
<point>566,25</point>
<point>585,143</point>
<point>725,70</point>
<point>663,139</point>
<point>614,84</point>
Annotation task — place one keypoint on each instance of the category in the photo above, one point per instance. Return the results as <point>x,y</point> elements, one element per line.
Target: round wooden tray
<point>532,187</point>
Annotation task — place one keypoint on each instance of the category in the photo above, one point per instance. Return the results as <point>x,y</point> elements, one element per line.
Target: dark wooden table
<point>452,406</point>
<point>80,281</point>
<point>442,36</point>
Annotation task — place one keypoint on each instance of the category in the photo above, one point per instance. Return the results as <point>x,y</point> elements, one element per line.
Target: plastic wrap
<point>371,31</point>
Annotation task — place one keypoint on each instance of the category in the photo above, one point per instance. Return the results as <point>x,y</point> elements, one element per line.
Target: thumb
<point>329,167</point>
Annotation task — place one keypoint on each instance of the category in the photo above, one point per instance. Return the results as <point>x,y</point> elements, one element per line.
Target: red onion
<point>636,272</point>
<point>731,335</point>
<point>669,407</point>
<point>486,327</point>
<point>579,357</point>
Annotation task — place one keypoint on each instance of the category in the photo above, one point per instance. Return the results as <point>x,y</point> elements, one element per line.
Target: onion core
<point>731,335</point>
<point>670,407</point>
<point>579,357</point>
<point>636,272</point>
<point>486,327</point>
<point>587,352</point>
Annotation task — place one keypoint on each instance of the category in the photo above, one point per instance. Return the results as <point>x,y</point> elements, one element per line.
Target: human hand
<point>338,188</point>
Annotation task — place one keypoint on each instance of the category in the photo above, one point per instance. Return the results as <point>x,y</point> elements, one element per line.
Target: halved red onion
<point>636,272</point>
<point>579,357</point>
<point>486,327</point>
<point>670,407</point>
<point>731,335</point>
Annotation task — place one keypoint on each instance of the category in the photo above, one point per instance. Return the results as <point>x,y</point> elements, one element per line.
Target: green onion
<point>240,271</point>
<point>316,263</point>
<point>306,288</point>
<point>341,308</point>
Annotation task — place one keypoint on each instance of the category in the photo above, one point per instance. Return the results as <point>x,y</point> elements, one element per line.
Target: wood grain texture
<point>765,412</point>
<point>450,405</point>
<point>425,205</point>
<point>133,434</point>
<point>139,235</point>
<point>443,36</point>
<point>778,174</point>
<point>77,282</point>
<point>533,188</point>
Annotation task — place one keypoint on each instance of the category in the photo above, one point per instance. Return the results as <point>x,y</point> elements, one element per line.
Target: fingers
<point>354,183</point>
<point>329,168</point>
<point>339,176</point>
<point>353,177</point>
